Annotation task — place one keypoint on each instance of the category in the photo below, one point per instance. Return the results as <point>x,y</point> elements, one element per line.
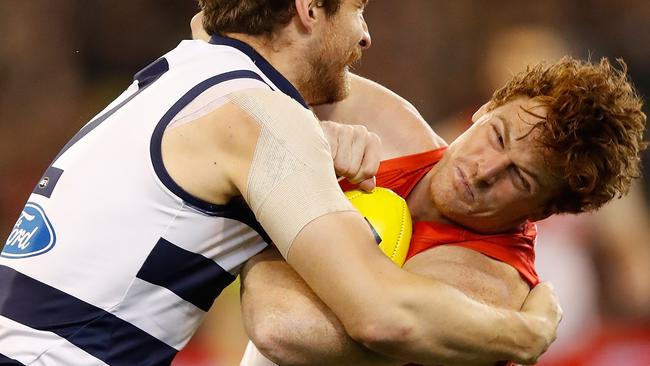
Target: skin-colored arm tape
<point>291,180</point>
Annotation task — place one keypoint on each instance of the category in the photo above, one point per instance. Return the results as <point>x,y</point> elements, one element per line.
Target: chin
<point>340,93</point>
<point>464,216</point>
<point>331,91</point>
<point>489,226</point>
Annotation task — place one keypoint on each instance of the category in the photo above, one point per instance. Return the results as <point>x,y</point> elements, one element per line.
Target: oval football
<point>389,215</point>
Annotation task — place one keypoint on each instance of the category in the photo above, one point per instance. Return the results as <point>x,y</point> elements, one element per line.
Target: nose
<point>489,170</point>
<point>366,40</point>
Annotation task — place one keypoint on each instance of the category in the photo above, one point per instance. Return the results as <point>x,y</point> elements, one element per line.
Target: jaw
<point>491,223</point>
<point>420,201</point>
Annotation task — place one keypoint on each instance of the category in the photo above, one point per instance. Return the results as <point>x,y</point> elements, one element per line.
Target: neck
<point>281,52</point>
<point>420,203</point>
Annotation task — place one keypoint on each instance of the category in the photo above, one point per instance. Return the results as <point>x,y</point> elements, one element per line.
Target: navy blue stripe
<point>6,361</point>
<point>48,181</point>
<point>378,238</point>
<point>236,210</point>
<point>191,276</point>
<point>99,333</point>
<point>149,78</point>
<point>152,72</point>
<point>271,72</point>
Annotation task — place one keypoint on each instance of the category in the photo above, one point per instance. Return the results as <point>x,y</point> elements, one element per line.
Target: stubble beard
<point>443,196</point>
<point>329,80</point>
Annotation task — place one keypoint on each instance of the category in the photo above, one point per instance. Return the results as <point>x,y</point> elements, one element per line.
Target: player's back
<point>110,261</point>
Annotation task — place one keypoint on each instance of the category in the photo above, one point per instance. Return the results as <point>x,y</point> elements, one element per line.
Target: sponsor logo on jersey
<point>32,234</point>
<point>43,183</point>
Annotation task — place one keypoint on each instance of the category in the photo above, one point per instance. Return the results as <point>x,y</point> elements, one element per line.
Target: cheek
<point>442,188</point>
<point>353,31</point>
<point>508,200</point>
<point>502,194</point>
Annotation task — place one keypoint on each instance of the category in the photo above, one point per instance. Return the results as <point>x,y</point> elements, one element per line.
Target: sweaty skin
<point>479,276</point>
<point>293,327</point>
<point>387,309</point>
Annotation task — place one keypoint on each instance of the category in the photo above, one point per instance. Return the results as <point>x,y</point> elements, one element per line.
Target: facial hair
<point>328,81</point>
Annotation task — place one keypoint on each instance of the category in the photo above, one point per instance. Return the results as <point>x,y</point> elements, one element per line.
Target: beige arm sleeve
<point>291,180</point>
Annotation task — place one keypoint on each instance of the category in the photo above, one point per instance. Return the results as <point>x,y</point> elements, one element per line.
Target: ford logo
<point>32,234</point>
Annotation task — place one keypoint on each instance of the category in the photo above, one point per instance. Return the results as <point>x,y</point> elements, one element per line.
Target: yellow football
<point>389,218</point>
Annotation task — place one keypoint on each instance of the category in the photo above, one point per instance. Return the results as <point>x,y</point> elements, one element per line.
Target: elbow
<point>279,341</point>
<point>267,337</point>
<point>400,334</point>
<point>386,335</point>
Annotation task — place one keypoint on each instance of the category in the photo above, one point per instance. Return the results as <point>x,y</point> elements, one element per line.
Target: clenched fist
<point>356,152</point>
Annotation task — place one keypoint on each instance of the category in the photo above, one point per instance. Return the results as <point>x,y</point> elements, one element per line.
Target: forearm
<point>293,327</point>
<point>449,328</point>
<point>290,325</point>
<point>411,317</point>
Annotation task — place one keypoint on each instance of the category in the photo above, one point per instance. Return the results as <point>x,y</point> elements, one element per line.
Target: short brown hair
<point>254,17</point>
<point>593,130</point>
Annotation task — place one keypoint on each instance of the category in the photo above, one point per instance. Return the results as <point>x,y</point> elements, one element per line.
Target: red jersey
<point>515,248</point>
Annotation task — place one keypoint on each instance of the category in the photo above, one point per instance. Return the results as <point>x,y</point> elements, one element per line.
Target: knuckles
<point>356,151</point>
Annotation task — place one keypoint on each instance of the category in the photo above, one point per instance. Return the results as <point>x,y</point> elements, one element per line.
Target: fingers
<point>329,129</point>
<point>371,158</point>
<point>543,307</point>
<point>356,152</point>
<point>543,300</point>
<point>368,185</point>
<point>343,159</point>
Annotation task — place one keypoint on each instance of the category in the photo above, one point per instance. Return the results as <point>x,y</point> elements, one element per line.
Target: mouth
<point>465,183</point>
<point>355,56</point>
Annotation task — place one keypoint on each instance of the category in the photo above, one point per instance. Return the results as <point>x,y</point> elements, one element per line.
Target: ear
<point>481,111</point>
<point>308,14</point>
<point>196,25</point>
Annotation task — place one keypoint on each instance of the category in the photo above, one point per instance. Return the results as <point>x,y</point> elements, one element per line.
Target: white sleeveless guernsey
<point>110,261</point>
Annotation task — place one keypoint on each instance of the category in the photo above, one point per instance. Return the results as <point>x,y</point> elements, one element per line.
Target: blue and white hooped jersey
<point>110,261</point>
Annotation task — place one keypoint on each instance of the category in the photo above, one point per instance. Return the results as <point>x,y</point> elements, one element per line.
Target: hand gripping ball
<point>389,218</point>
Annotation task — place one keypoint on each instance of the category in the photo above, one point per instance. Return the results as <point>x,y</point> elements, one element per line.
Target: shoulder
<point>398,123</point>
<point>246,113</point>
<point>223,143</point>
<point>281,118</point>
<point>266,102</point>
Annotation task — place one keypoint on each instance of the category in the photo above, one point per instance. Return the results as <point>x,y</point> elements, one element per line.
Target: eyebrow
<point>507,139</point>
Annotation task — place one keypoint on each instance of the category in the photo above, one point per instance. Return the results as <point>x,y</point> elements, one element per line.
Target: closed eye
<point>522,181</point>
<point>497,136</point>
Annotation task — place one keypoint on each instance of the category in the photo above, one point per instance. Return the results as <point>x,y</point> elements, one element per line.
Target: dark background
<point>62,61</point>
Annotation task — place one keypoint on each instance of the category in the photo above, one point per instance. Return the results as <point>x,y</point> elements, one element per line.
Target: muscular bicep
<point>287,174</point>
<point>478,276</point>
<point>289,183</point>
<point>281,314</point>
<point>270,288</point>
<point>289,324</point>
<point>265,147</point>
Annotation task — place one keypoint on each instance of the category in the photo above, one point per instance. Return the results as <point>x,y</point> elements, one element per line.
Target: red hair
<point>593,130</point>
